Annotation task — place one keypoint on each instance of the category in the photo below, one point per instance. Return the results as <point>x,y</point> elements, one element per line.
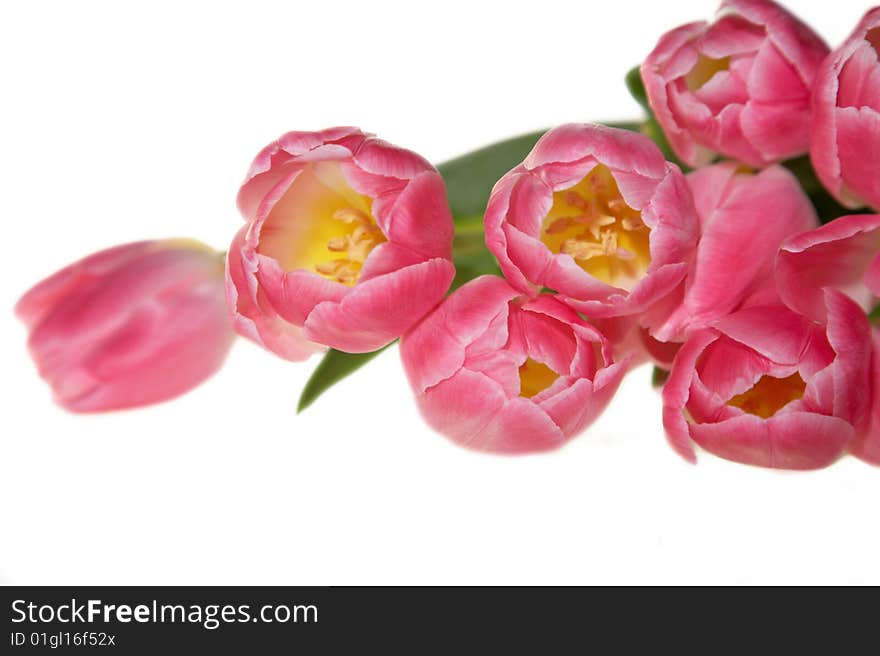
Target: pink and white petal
<point>777,333</point>
<point>520,427</point>
<point>774,79</point>
<point>728,368</point>
<point>576,407</point>
<point>710,186</point>
<point>676,392</point>
<point>378,311</point>
<point>419,217</point>
<point>473,411</point>
<point>859,79</point>
<point>849,334</point>
<point>617,149</point>
<point>788,440</point>
<point>548,340</point>
<point>866,445</point>
<point>838,254</point>
<point>257,320</point>
<point>858,141</point>
<point>777,130</point>
<point>294,294</point>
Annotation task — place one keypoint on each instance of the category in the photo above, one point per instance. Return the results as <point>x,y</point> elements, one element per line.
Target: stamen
<point>351,215</point>
<point>356,246</point>
<point>559,225</point>
<point>605,227</point>
<point>601,222</point>
<point>574,199</point>
<point>337,244</point>
<point>582,250</point>
<point>632,223</point>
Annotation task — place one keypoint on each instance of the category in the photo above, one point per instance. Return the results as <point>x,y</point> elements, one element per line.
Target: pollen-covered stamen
<point>356,245</point>
<point>592,223</point>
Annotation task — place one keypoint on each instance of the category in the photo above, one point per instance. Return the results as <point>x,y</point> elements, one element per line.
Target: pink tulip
<point>739,86</point>
<point>597,215</point>
<point>495,371</point>
<point>845,133</point>
<point>843,254</point>
<point>767,386</point>
<point>129,326</point>
<point>348,243</point>
<point>744,218</point>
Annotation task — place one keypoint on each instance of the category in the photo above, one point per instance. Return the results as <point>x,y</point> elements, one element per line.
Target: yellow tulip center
<point>323,225</point>
<point>704,70</point>
<point>769,395</point>
<point>535,377</point>
<point>606,237</point>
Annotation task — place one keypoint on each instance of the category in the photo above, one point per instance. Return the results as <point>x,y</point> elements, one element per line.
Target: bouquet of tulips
<point>728,238</point>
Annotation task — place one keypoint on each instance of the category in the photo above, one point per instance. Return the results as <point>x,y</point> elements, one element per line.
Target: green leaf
<point>637,88</point>
<point>659,377</point>
<point>335,366</point>
<point>470,178</point>
<point>651,128</point>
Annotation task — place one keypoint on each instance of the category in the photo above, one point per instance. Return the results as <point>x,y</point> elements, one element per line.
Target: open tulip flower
<point>767,386</point>
<point>597,215</point>
<point>498,371</point>
<point>129,326</point>
<point>750,288</point>
<point>845,132</point>
<point>348,243</point>
<point>739,86</point>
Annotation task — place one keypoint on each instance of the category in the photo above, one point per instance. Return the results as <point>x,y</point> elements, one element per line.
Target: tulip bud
<point>845,132</point>
<point>129,326</point>
<point>495,371</point>
<point>739,86</point>
<point>767,386</point>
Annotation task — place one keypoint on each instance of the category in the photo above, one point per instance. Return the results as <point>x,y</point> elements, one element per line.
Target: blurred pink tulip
<point>597,215</point>
<point>129,326</point>
<point>739,87</point>
<point>744,218</point>
<point>845,133</point>
<point>767,386</point>
<point>347,244</point>
<point>496,371</point>
<point>843,254</point>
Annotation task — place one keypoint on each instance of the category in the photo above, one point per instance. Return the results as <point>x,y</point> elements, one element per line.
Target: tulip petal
<point>790,440</point>
<point>375,312</point>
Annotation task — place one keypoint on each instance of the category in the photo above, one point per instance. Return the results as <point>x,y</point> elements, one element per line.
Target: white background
<point>120,123</point>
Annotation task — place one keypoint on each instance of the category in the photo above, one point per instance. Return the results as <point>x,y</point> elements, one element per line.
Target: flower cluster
<point>733,248</point>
